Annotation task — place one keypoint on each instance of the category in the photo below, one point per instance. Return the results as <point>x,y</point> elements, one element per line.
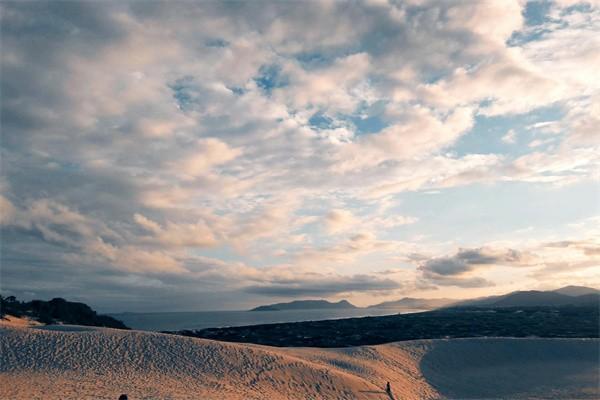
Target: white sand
<point>79,363</point>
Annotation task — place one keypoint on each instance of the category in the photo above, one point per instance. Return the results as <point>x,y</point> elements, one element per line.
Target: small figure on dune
<point>388,390</point>
<point>123,397</point>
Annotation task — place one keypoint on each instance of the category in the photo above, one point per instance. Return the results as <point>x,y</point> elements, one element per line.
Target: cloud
<point>545,260</point>
<point>498,79</point>
<point>338,220</point>
<point>197,234</point>
<point>208,153</point>
<point>564,166</point>
<point>55,222</point>
<point>509,137</point>
<point>82,237</point>
<point>466,260</point>
<point>335,88</point>
<point>146,223</point>
<point>589,247</point>
<point>345,251</point>
<point>323,285</point>
<point>582,121</point>
<point>461,268</point>
<point>138,134</point>
<point>462,282</point>
<point>568,256</point>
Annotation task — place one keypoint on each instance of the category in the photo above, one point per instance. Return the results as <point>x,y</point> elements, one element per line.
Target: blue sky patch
<point>486,136</point>
<point>216,42</point>
<point>271,77</point>
<point>182,92</point>
<point>536,12</point>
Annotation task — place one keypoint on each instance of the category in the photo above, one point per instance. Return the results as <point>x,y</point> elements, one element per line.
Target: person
<point>388,389</point>
<point>123,397</point>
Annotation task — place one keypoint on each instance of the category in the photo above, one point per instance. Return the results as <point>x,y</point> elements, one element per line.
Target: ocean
<point>174,321</point>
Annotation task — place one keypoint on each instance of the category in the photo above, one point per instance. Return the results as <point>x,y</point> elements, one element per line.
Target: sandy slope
<point>75,362</point>
<point>10,320</point>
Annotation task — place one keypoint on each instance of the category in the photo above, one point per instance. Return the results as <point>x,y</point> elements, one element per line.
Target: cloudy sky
<point>217,155</point>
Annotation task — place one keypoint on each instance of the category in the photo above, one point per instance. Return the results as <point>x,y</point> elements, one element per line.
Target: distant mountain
<point>306,305</point>
<point>415,304</point>
<point>576,290</point>
<point>533,298</point>
<point>568,295</point>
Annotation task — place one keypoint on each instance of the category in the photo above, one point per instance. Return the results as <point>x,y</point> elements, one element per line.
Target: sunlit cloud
<point>206,147</point>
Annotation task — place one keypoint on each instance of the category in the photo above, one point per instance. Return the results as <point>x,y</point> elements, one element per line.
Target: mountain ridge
<point>414,303</point>
<point>533,298</point>
<point>567,295</point>
<point>573,290</point>
<point>307,305</point>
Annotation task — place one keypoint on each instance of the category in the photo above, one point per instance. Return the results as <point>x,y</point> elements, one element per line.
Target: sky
<point>180,156</point>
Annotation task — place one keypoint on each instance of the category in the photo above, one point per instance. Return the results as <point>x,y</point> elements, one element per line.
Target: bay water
<point>175,321</point>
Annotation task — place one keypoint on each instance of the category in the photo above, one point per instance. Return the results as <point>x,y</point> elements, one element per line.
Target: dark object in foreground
<point>123,397</point>
<point>549,322</point>
<point>58,310</point>
<point>388,390</point>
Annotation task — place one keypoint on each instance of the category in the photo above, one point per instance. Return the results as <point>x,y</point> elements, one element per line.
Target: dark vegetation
<point>57,311</point>
<point>463,322</point>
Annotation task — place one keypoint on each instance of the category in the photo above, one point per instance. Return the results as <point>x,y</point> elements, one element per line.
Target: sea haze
<point>174,321</point>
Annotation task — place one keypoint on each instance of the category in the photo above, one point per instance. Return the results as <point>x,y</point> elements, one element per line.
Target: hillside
<point>576,290</point>
<point>568,295</point>
<point>415,304</point>
<point>461,322</point>
<point>306,305</point>
<point>533,298</point>
<point>57,311</point>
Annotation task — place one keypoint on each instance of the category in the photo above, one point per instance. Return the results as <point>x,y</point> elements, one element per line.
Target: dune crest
<point>103,363</point>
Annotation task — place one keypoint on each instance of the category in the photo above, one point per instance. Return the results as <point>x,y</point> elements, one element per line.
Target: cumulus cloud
<point>544,260</point>
<point>460,268</point>
<point>197,234</point>
<point>138,134</point>
<point>466,260</point>
<point>208,153</point>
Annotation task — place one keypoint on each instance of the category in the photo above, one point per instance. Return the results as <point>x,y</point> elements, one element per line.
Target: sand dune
<point>10,320</point>
<point>75,363</point>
